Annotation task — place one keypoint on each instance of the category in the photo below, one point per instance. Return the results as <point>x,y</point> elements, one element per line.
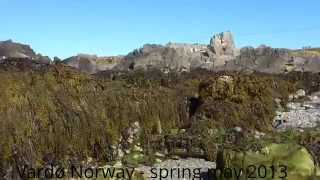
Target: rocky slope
<point>10,49</point>
<point>219,54</point>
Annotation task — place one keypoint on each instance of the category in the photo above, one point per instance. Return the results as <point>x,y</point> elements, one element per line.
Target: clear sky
<point>104,27</point>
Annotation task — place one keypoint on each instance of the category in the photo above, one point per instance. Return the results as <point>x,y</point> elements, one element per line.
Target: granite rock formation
<point>92,63</point>
<point>178,57</point>
<point>220,54</point>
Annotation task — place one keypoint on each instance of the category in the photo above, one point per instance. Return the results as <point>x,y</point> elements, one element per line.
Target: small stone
<point>89,160</point>
<point>211,132</point>
<point>130,140</point>
<point>182,131</point>
<point>290,97</point>
<point>174,157</point>
<point>277,100</point>
<point>158,160</point>
<point>118,164</point>
<point>300,93</point>
<point>137,148</point>
<point>238,129</point>
<point>227,79</point>
<point>159,154</point>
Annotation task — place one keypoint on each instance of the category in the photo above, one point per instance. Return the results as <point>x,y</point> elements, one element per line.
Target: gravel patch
<point>300,115</point>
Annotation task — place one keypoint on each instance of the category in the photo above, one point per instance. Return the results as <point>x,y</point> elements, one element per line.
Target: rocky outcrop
<point>262,59</point>
<point>223,44</point>
<point>270,60</point>
<point>10,49</point>
<point>92,63</point>
<point>172,57</point>
<point>180,57</point>
<point>220,54</point>
<point>303,64</point>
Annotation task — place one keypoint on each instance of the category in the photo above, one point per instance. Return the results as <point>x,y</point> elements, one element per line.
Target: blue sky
<point>104,27</point>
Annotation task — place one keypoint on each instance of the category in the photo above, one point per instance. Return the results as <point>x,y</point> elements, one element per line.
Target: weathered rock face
<point>181,57</point>
<point>270,60</point>
<point>261,59</point>
<point>10,49</point>
<point>219,55</point>
<point>223,44</point>
<point>172,57</point>
<point>303,64</point>
<point>92,63</point>
<point>188,48</point>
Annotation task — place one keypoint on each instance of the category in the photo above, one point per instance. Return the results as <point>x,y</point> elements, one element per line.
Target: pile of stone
<point>300,114</point>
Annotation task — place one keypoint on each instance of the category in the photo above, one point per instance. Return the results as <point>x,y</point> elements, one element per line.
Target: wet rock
<point>300,93</point>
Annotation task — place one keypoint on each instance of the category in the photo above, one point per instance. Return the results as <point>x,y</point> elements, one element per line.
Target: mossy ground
<point>55,114</point>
